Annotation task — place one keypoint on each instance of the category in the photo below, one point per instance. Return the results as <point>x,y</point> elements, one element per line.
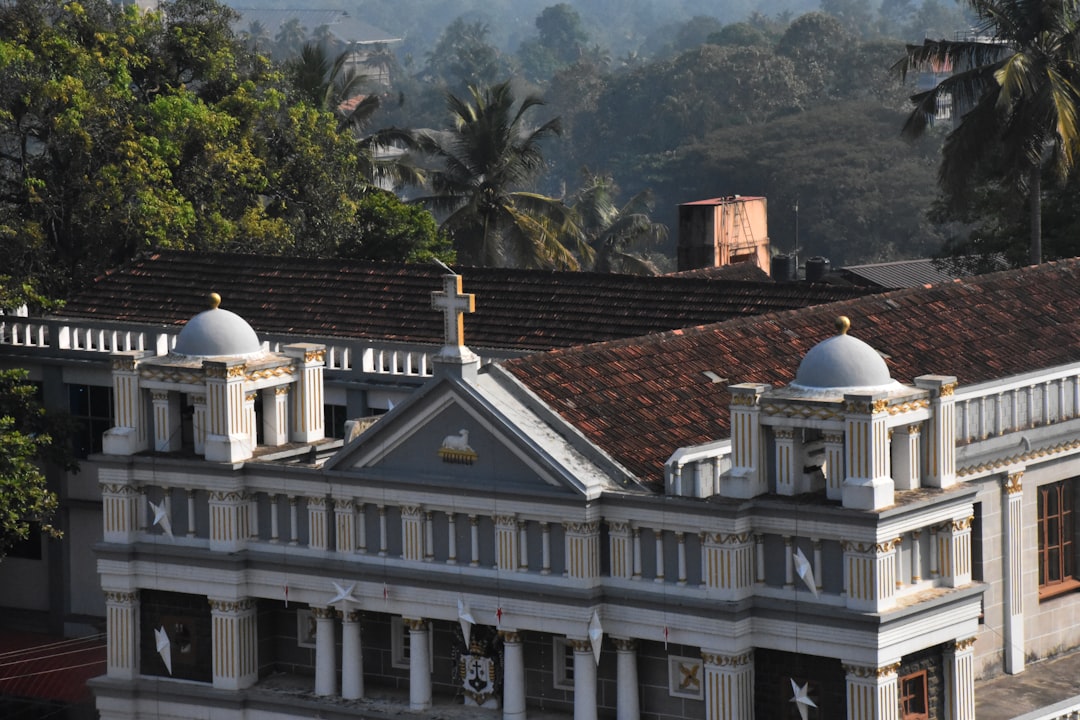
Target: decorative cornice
<point>323,613</point>
<point>123,364</point>
<point>231,606</point>
<point>582,528</point>
<point>744,400</point>
<point>961,645</point>
<point>745,658</point>
<point>1020,459</point>
<point>344,505</point>
<point>909,406</point>
<point>169,375</point>
<point>1013,482</point>
<point>805,412</point>
<point>117,489</point>
<point>123,597</point>
<point>867,548</point>
<point>869,671</point>
<point>275,372</point>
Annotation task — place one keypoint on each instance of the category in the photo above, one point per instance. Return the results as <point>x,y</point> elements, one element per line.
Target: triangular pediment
<point>452,432</point>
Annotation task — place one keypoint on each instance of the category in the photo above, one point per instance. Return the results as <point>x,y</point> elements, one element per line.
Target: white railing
<point>1065,710</point>
<point>343,355</point>
<point>1017,403</point>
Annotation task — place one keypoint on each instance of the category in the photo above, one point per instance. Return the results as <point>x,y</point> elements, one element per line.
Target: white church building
<point>853,510</point>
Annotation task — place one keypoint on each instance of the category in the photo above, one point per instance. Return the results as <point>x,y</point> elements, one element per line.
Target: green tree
<point>331,84</point>
<point>389,229</point>
<point>484,165</point>
<point>27,436</point>
<point>289,39</point>
<point>1015,91</point>
<point>120,132</point>
<point>618,234</point>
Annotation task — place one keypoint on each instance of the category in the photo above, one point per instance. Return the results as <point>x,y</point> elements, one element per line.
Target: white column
<point>228,520</point>
<point>680,539</point>
<point>545,548</point>
<point>344,525</point>
<point>747,478</point>
<point>451,538</point>
<point>834,465</point>
<point>728,564</point>
<point>120,511</point>
<point>307,405</point>
<point>235,643</point>
<point>620,550</point>
<point>226,439</point>
<point>122,624</point>
<point>384,546</point>
<point>191,513</point>
<point>429,536</point>
<point>868,485</point>
<point>352,664</point>
<point>870,575</point>
<point>940,436</point>
<point>274,530</point>
<point>419,665</point>
<point>584,680</point>
<point>954,550</point>
<point>325,652</point>
<point>627,691</point>
<point>872,692</point>
<point>729,686</point>
<point>275,415</point>
<point>318,537</point>
<point>128,436</point>
<point>1012,521</point>
<point>199,423</point>
<point>658,546</point>
<point>960,679</point>
<point>250,431</point>
<point>474,541</point>
<point>523,545</point>
<point>294,520</point>
<point>166,421</point>
<point>788,463</point>
<point>906,457</point>
<point>412,532</point>
<point>513,675</point>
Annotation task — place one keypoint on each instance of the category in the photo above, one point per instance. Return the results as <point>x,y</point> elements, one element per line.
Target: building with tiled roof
<point>765,517</point>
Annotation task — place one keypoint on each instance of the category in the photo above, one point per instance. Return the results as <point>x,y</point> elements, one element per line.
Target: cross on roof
<point>454,304</point>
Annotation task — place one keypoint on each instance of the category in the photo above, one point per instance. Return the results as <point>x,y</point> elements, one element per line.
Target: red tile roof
<point>49,668</point>
<point>515,309</point>
<point>641,399</point>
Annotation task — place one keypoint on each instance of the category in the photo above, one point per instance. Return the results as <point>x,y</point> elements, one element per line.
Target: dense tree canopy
<point>1016,90</point>
<point>122,131</point>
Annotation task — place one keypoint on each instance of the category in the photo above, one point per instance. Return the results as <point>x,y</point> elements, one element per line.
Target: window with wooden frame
<point>914,704</point>
<point>1056,535</point>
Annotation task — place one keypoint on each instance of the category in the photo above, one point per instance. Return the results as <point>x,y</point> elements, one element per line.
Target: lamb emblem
<point>455,449</point>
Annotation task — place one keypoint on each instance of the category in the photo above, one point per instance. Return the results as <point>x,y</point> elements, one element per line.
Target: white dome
<point>216,333</point>
<point>844,362</point>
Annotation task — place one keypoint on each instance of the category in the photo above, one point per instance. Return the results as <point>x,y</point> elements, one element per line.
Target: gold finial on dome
<point>842,325</point>
<point>215,300</point>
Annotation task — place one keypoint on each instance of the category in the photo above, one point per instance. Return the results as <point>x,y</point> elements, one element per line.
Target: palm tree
<point>617,233</point>
<point>1015,89</point>
<point>289,39</point>
<point>256,34</point>
<point>483,164</point>
<point>331,84</point>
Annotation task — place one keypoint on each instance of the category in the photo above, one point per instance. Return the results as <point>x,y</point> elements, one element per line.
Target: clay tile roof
<point>515,309</point>
<point>641,399</point>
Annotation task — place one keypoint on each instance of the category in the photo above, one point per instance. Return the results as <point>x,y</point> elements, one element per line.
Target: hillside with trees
<point>538,141</point>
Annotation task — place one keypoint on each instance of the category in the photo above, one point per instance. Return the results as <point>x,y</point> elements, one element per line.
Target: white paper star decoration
<point>596,635</point>
<point>164,647</point>
<point>466,619</point>
<point>801,699</point>
<point>161,517</point>
<point>343,595</point>
<point>802,567</point>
